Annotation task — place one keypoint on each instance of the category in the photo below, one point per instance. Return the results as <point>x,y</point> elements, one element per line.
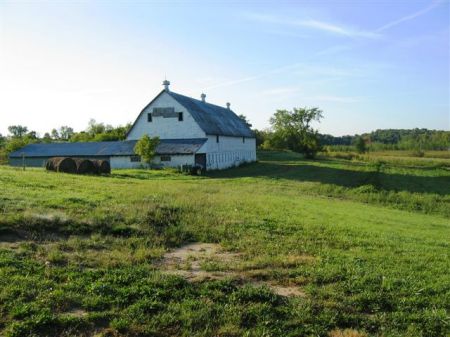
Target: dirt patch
<point>76,313</point>
<point>291,291</point>
<point>346,333</point>
<point>209,261</point>
<point>286,291</point>
<point>187,261</point>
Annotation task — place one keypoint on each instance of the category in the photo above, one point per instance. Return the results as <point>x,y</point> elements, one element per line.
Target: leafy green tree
<point>95,128</point>
<point>360,145</point>
<point>146,148</point>
<point>54,134</point>
<point>65,132</point>
<point>16,143</point>
<point>17,131</point>
<point>292,130</point>
<point>262,137</point>
<point>32,135</point>
<point>246,121</point>
<point>47,138</point>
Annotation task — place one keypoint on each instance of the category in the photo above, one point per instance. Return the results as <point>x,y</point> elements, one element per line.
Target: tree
<point>47,138</point>
<point>262,137</point>
<point>292,130</point>
<point>360,145</point>
<point>17,131</point>
<point>95,128</point>
<point>55,135</point>
<point>246,121</point>
<point>65,132</point>
<point>31,135</point>
<point>146,148</point>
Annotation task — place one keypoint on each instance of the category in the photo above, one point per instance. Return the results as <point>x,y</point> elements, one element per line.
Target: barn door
<point>200,160</point>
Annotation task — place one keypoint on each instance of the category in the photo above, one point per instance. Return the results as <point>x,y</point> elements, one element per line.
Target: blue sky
<point>366,64</point>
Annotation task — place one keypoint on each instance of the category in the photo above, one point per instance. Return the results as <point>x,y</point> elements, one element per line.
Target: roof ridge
<point>200,101</point>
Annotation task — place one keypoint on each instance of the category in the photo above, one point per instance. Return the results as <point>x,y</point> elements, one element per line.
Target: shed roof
<point>97,149</point>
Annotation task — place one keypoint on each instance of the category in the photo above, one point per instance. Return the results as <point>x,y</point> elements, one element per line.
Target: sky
<point>367,64</point>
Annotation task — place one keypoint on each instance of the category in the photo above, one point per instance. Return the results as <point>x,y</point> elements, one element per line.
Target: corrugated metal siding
<point>29,162</point>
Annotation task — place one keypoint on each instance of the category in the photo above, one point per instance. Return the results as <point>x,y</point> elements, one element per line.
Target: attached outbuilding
<point>192,132</point>
<point>120,154</point>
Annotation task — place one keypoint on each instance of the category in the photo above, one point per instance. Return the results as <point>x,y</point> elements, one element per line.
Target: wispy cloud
<point>337,29</point>
<point>257,76</point>
<point>336,99</point>
<point>322,26</point>
<point>281,91</point>
<point>409,17</point>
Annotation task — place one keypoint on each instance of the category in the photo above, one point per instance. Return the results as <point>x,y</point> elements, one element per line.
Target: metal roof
<point>117,148</point>
<point>180,146</point>
<point>214,119</point>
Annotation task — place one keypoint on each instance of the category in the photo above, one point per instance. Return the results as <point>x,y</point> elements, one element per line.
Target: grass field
<point>330,247</point>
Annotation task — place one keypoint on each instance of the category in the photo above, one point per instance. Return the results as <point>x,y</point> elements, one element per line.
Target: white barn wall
<point>166,128</point>
<point>175,160</point>
<point>228,152</point>
<point>124,162</point>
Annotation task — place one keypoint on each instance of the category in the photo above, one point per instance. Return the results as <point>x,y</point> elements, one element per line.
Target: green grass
<point>368,242</point>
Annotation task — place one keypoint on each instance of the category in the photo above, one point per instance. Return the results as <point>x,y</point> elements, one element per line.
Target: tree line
<point>289,130</point>
<point>20,136</point>
<point>392,139</point>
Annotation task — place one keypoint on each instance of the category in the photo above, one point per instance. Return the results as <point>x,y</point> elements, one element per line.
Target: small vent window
<point>149,117</point>
<point>180,116</point>
<point>243,139</point>
<point>165,158</point>
<point>217,138</point>
<point>135,159</point>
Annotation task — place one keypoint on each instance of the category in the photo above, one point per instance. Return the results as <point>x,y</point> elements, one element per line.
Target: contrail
<point>409,17</point>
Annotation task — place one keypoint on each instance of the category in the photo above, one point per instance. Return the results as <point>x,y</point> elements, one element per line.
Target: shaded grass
<point>92,245</point>
<point>425,189</point>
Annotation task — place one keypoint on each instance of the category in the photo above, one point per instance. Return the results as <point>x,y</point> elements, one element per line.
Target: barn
<point>192,132</point>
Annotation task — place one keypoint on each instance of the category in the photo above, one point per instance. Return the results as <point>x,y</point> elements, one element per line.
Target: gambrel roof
<point>212,119</point>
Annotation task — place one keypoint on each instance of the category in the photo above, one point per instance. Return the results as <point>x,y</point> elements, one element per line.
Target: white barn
<point>228,141</point>
<point>192,132</point>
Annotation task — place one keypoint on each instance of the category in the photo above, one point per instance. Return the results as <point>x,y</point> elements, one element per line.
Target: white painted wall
<point>124,162</point>
<point>228,152</point>
<point>166,128</point>
<point>175,161</point>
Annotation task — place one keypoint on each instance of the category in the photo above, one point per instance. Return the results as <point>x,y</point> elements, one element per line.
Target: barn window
<point>243,139</point>
<point>135,159</point>
<point>165,158</point>
<point>149,117</point>
<point>180,116</point>
<point>217,138</point>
